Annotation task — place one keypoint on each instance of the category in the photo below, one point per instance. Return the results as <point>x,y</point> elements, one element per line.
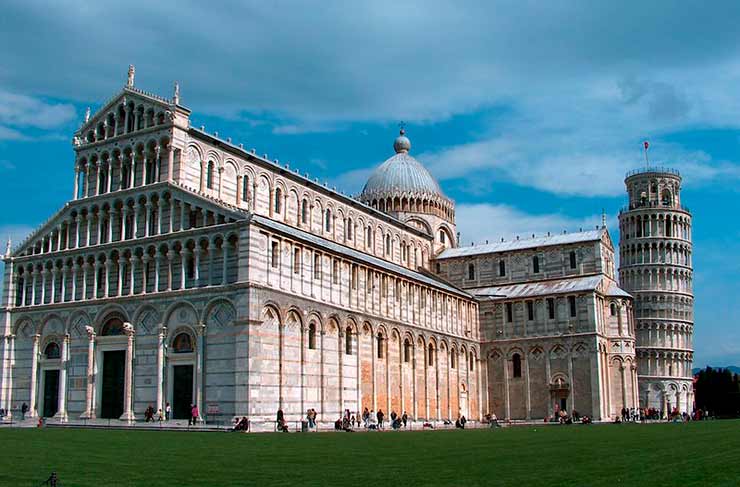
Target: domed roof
<point>401,174</point>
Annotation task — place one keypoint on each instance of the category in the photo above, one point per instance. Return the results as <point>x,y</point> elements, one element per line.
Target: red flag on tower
<point>646,145</point>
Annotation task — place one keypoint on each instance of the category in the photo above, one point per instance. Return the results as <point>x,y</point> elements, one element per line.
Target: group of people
<point>161,416</point>
<point>241,424</point>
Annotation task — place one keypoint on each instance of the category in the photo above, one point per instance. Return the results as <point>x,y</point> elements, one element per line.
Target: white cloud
<point>25,111</point>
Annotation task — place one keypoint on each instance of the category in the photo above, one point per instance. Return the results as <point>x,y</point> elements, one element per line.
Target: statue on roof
<point>176,96</point>
<point>131,72</point>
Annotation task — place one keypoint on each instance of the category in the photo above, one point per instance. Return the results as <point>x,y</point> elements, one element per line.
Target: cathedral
<point>186,269</point>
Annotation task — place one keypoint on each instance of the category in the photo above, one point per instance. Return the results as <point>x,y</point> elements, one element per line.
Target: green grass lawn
<point>704,453</point>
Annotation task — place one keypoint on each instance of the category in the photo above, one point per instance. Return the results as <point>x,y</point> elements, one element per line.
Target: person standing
<point>404,419</point>
<point>380,418</point>
<point>167,410</point>
<point>24,410</point>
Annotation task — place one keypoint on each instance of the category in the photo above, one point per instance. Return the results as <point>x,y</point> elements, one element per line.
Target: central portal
<point>51,393</point>
<point>111,405</point>
<point>182,391</point>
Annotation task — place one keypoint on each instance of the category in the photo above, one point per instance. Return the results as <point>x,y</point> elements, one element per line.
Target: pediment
<point>114,110</point>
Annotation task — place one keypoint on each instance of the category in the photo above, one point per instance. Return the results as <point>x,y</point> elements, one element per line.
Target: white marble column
<point>32,413</point>
<point>61,414</point>
<point>128,379</point>
<point>170,162</point>
<point>89,412</point>
<point>77,182</point>
<point>199,364</point>
<point>160,367</point>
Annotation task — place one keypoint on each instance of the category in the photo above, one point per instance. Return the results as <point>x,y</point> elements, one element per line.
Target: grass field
<point>705,453</point>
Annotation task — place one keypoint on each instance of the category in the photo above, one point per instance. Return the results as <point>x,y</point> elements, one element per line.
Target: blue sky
<point>529,114</point>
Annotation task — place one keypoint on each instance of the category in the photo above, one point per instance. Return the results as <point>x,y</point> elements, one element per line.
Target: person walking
<point>380,418</point>
<point>167,411</point>
<point>404,419</point>
<point>194,414</point>
<point>24,410</point>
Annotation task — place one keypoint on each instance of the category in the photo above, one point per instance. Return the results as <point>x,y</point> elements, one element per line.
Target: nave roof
<point>597,282</point>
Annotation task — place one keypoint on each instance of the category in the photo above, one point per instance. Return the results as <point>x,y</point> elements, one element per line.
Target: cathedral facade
<point>187,269</point>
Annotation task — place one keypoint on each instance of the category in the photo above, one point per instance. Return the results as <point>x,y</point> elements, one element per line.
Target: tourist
<point>149,414</point>
<point>194,414</point>
<point>359,423</point>
<point>308,418</point>
<point>366,417</point>
<point>24,410</point>
<point>167,410</point>
<point>380,418</point>
<point>160,416</point>
<point>393,415</point>
<point>371,420</point>
<point>241,424</point>
<point>404,419</point>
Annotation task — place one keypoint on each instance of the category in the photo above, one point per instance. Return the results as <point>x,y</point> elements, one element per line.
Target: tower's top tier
<point>654,187</point>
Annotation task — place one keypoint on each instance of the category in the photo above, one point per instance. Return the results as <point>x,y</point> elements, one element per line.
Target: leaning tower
<point>655,267</point>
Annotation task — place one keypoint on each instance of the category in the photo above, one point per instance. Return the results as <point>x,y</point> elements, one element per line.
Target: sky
<point>528,113</point>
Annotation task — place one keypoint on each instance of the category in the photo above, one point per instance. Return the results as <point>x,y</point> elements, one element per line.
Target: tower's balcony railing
<point>650,169</point>
<point>653,204</point>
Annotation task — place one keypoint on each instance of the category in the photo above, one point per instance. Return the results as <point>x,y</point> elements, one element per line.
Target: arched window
<point>472,361</point>
<point>536,264</point>
<point>369,237</point>
<point>406,350</point>
<point>245,188</point>
<point>209,175</point>
<point>502,268</point>
<point>113,327</point>
<point>312,336</point>
<point>183,343</point>
<point>430,355</point>
<point>471,272</point>
<point>388,245</point>
<point>379,345</point>
<point>278,200</point>
<point>304,211</point>
<point>442,237</point>
<point>348,229</point>
<point>572,257</point>
<point>327,221</point>
<point>613,309</point>
<point>52,351</point>
<point>453,358</point>
<point>348,341</point>
<point>516,362</point>
<point>666,198</point>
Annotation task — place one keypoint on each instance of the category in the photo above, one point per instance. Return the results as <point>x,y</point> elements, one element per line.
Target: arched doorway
<point>182,365</point>
<point>113,354</point>
<point>559,392</point>
<point>463,401</point>
<point>51,363</point>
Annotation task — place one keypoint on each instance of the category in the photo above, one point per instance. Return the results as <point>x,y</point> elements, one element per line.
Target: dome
<point>399,175</point>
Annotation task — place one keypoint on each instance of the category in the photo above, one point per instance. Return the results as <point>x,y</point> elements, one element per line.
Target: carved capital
<point>128,329</point>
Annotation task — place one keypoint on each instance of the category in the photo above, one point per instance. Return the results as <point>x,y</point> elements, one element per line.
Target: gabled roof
<point>128,91</point>
<point>550,240</point>
<point>555,286</point>
<point>356,255</point>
